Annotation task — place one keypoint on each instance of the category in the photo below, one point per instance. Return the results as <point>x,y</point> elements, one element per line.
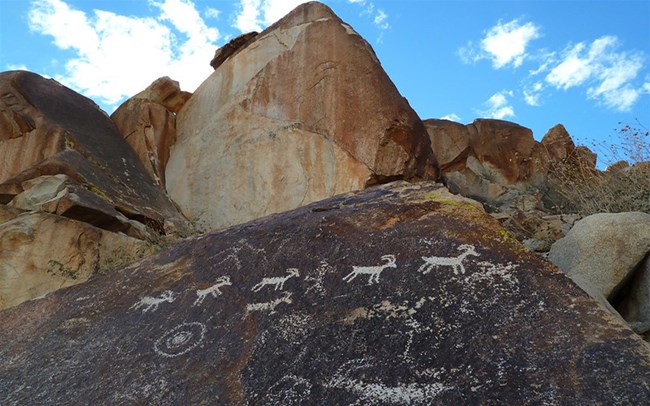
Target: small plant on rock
<point>55,267</point>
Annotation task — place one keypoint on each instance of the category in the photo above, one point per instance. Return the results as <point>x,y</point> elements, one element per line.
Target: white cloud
<point>273,10</point>
<point>451,117</point>
<point>248,17</point>
<point>505,44</point>
<point>646,87</point>
<point>380,20</point>
<point>255,15</point>
<point>118,56</point>
<point>609,73</point>
<point>498,106</point>
<point>212,13</point>
<point>470,53</point>
<point>533,93</point>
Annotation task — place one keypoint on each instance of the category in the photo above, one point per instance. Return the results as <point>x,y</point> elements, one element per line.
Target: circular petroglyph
<point>180,340</point>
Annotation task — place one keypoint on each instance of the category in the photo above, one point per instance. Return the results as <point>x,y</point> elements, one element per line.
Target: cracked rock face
<point>400,294</point>
<point>304,111</point>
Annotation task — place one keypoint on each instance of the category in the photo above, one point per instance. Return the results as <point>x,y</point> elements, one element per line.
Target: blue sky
<point>581,63</point>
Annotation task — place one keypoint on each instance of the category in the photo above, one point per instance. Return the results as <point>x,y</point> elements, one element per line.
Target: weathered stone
<point>558,143</point>
<point>604,249</point>
<point>395,295</point>
<point>494,161</point>
<point>304,112</point>
<point>507,151</point>
<point>450,143</point>
<point>40,253</point>
<point>618,167</point>
<point>7,213</point>
<point>586,157</point>
<point>166,92</point>
<point>70,135</point>
<point>38,191</point>
<point>223,53</point>
<point>150,129</point>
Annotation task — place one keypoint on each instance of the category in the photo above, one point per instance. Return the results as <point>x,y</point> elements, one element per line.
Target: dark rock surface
<point>277,311</point>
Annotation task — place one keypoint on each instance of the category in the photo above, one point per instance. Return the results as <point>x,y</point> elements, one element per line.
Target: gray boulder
<point>604,249</point>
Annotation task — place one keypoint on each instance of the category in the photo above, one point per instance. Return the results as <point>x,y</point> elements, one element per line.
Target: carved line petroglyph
<point>373,271</point>
<point>180,340</point>
<point>317,280</point>
<point>269,306</point>
<point>277,281</point>
<point>411,393</point>
<point>212,290</point>
<point>455,262</point>
<point>152,303</point>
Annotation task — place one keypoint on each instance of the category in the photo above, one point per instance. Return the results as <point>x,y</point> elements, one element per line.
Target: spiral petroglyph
<point>180,340</point>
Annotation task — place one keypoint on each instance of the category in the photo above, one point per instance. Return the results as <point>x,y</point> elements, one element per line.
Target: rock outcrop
<point>536,189</point>
<point>403,295</point>
<point>304,111</point>
<point>62,132</point>
<point>62,159</point>
<point>494,161</point>
<point>147,121</point>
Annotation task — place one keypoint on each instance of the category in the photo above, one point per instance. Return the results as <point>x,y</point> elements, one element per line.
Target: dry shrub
<point>575,186</point>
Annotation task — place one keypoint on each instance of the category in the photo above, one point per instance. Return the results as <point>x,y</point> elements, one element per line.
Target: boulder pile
<point>297,248</point>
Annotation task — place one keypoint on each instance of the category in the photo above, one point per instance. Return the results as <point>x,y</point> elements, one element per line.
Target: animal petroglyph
<point>180,340</point>
<point>277,282</point>
<point>152,303</point>
<point>269,306</point>
<point>373,271</point>
<point>212,290</point>
<point>378,392</point>
<point>455,262</point>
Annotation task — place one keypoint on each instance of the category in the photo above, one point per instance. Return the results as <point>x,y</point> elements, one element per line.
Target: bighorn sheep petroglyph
<point>277,281</point>
<point>373,271</point>
<point>455,262</point>
<point>151,303</point>
<point>212,290</point>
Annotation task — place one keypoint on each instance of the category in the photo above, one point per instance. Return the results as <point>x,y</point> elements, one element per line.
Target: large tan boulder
<point>301,113</point>
<point>54,131</point>
<point>41,252</point>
